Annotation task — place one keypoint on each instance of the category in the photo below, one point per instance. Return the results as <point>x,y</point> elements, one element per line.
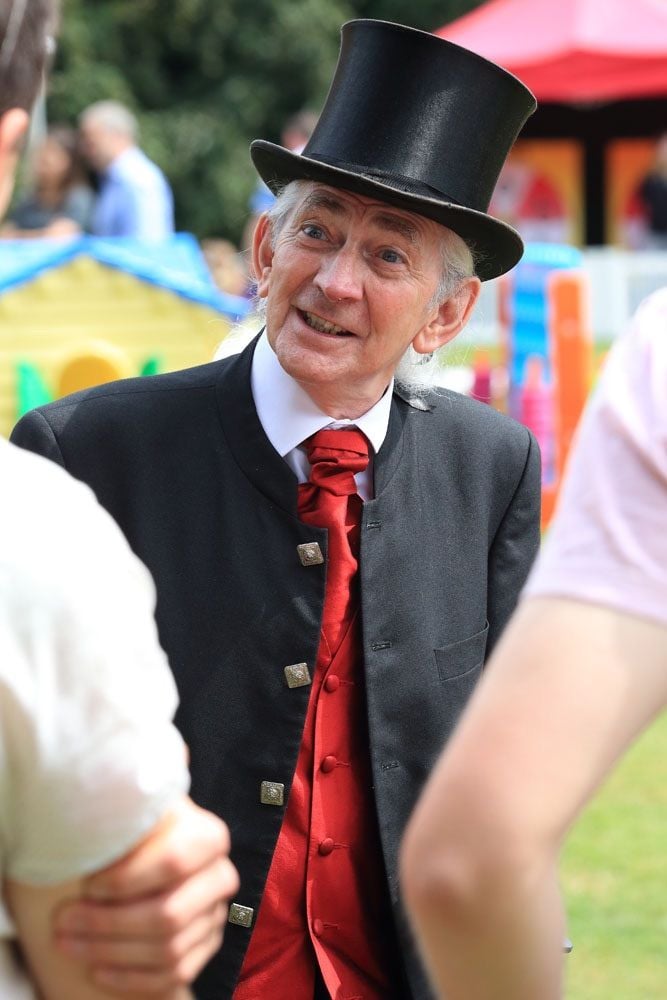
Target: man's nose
<point>339,276</point>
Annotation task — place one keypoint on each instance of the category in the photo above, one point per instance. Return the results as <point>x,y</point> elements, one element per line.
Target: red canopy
<point>573,50</point>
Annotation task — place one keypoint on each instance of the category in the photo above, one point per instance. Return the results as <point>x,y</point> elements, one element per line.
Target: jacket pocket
<point>462,657</point>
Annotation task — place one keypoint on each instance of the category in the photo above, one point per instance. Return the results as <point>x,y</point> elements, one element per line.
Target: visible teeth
<point>322,325</point>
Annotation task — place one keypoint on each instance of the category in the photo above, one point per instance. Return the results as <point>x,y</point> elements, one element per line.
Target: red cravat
<point>330,500</point>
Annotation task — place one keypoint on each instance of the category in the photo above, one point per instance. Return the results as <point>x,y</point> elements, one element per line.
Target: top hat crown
<point>418,122</point>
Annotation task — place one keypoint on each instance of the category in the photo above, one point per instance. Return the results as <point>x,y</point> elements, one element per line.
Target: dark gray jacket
<point>182,463</point>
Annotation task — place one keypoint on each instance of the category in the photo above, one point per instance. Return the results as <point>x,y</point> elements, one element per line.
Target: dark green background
<point>206,76</point>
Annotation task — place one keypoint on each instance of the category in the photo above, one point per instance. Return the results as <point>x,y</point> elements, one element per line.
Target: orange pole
<point>571,343</point>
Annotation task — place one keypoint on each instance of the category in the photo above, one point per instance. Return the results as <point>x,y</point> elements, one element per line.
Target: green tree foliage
<point>206,76</point>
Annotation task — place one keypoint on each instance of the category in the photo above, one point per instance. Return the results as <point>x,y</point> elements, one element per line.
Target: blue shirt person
<point>135,198</point>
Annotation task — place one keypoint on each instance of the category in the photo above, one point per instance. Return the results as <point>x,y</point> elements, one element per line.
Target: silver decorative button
<point>310,554</point>
<point>272,793</point>
<point>297,675</point>
<point>240,915</point>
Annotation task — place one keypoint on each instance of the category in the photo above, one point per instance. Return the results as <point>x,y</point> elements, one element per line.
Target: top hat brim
<point>497,247</point>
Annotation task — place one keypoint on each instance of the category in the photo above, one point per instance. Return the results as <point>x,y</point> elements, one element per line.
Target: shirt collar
<point>287,413</point>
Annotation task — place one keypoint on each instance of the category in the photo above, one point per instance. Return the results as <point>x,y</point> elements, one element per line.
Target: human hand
<point>150,922</point>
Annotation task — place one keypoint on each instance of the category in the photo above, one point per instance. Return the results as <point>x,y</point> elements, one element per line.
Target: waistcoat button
<point>326,846</point>
<point>332,683</point>
<point>328,763</point>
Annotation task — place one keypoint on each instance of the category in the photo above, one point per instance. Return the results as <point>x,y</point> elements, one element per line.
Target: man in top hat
<point>335,549</point>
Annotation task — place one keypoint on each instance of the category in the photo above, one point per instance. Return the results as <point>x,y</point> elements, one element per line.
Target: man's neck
<point>289,414</point>
<point>337,405</point>
<point>118,152</point>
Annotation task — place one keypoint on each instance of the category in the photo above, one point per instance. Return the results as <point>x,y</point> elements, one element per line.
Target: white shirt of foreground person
<point>89,760</point>
<point>608,542</point>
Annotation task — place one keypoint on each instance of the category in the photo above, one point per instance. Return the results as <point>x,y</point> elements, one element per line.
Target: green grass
<point>614,877</point>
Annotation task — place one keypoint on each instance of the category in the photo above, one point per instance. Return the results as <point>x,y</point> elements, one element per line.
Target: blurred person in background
<point>225,264</point>
<point>60,199</point>
<point>92,771</point>
<point>296,132</point>
<point>653,197</point>
<point>579,673</point>
<point>134,197</point>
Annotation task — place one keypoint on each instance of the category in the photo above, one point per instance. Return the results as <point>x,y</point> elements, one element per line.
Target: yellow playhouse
<point>78,313</point>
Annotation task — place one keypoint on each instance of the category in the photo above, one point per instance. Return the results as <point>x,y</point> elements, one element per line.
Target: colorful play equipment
<point>86,311</point>
<point>546,354</point>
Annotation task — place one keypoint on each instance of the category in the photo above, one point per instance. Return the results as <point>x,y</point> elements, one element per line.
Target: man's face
<point>349,286</point>
<point>98,144</point>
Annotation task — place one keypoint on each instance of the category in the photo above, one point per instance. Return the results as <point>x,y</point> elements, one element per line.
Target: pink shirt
<point>608,542</point>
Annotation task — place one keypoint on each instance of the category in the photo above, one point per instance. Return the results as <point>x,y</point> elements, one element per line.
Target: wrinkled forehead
<point>340,204</point>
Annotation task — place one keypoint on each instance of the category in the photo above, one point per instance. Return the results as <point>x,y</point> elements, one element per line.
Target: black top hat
<point>418,122</point>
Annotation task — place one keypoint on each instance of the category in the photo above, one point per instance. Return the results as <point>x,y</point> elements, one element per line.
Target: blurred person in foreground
<point>59,200</point>
<point>579,673</point>
<point>91,767</point>
<point>134,197</point>
<point>335,545</point>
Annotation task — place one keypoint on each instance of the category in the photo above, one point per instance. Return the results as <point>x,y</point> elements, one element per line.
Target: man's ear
<point>13,127</point>
<point>450,317</point>
<point>262,254</point>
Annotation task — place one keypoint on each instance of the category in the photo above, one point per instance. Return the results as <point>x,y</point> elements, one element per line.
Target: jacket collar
<point>256,456</point>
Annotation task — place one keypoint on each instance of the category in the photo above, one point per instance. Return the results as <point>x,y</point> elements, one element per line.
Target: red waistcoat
<point>325,900</point>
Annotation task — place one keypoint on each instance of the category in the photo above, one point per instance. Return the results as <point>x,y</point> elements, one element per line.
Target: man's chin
<point>308,367</point>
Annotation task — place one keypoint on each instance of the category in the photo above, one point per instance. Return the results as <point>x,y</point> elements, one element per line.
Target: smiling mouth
<point>321,325</point>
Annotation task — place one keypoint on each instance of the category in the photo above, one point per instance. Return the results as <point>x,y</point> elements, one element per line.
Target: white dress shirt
<point>288,416</point>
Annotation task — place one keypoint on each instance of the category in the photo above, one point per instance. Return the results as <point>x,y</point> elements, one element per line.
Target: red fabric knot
<point>330,500</point>
<point>335,458</point>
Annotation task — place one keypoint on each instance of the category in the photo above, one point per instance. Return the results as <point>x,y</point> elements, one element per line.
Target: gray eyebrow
<point>385,220</point>
<point>320,199</point>
<point>397,224</point>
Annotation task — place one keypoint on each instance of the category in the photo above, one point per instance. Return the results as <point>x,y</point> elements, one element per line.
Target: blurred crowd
<point>95,179</point>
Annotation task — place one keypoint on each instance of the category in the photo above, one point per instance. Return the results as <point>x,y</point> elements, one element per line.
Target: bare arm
<point>569,688</point>
<point>57,976</point>
<point>150,922</point>
<point>179,878</point>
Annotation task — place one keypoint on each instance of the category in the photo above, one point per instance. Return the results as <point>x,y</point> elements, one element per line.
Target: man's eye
<point>391,256</point>
<point>314,232</point>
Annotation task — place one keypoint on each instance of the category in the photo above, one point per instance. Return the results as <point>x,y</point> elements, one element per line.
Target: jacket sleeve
<point>34,433</point>
<point>515,545</point>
